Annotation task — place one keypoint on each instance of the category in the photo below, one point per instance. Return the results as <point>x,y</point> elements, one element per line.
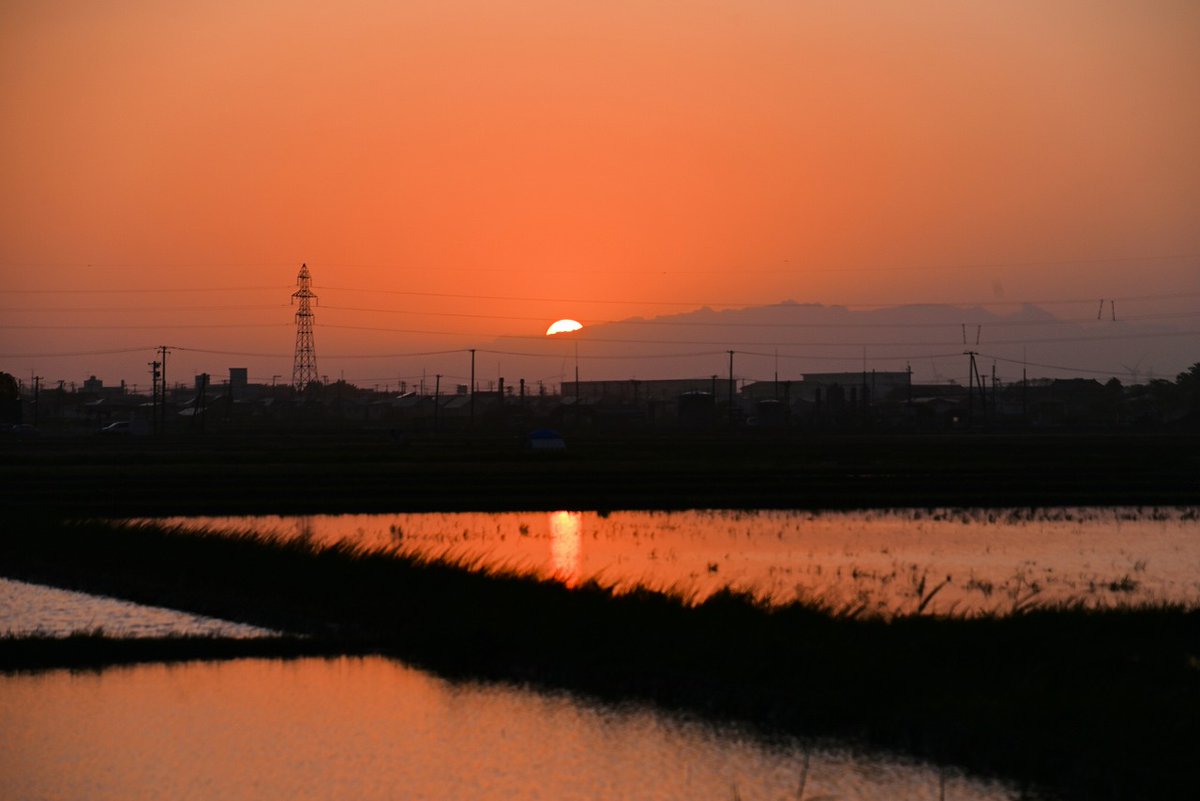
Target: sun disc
<point>563,326</point>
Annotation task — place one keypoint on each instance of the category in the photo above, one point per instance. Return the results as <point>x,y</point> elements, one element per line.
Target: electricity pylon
<point>304,366</point>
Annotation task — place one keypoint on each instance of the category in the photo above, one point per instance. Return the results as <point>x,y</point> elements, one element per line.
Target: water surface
<point>36,609</point>
<point>374,729</point>
<point>947,561</point>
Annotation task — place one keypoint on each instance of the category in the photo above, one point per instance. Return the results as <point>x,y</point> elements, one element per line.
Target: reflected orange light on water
<point>565,544</point>
<point>977,560</point>
<point>371,728</point>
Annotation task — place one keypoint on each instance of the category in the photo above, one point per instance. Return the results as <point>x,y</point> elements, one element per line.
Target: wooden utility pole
<point>973,378</point>
<point>200,406</point>
<point>37,386</point>
<point>162,408</point>
<point>154,393</point>
<point>437,391</point>
<point>731,387</point>
<point>993,389</point>
<point>472,388</point>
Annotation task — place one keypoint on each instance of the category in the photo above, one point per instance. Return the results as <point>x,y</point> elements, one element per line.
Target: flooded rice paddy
<point>35,609</point>
<point>375,728</point>
<point>370,728</point>
<point>947,561</point>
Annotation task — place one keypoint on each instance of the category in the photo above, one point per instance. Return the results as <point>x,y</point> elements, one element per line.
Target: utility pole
<point>863,404</point>
<point>472,387</point>
<point>973,377</point>
<point>437,391</point>
<point>37,385</point>
<point>731,387</point>
<point>1024,393</point>
<point>154,391</point>
<point>993,389</point>
<point>162,408</point>
<point>200,407</point>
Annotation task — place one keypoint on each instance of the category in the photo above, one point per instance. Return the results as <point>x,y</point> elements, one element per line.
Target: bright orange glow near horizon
<point>453,173</point>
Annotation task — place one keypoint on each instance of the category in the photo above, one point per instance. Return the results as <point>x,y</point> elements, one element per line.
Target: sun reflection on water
<point>943,561</point>
<point>565,542</point>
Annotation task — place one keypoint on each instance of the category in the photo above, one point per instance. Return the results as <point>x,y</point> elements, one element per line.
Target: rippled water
<point>375,729</point>
<point>32,608</point>
<point>948,561</point>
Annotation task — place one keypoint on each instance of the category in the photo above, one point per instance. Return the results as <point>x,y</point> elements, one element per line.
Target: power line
<point>992,303</point>
<point>157,327</point>
<point>76,353</point>
<point>603,356</point>
<point>404,330</point>
<point>798,265</point>
<point>877,344</point>
<point>233,353</point>
<point>1125,336</point>
<point>673,355</point>
<point>999,322</point>
<point>874,357</point>
<point>733,324</point>
<point>463,296</point>
<point>728,303</point>
<point>137,309</point>
<point>406,355</point>
<point>131,291</point>
<point>540,319</point>
<point>1051,366</point>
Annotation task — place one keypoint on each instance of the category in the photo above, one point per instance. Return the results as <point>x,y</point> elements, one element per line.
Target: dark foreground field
<point>364,470</point>
<point>1067,702</point>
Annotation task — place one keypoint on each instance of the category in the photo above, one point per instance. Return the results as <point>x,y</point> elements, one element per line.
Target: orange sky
<point>650,154</point>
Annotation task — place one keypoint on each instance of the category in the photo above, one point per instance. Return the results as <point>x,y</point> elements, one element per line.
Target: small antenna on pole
<point>1100,310</point>
<point>1112,307</point>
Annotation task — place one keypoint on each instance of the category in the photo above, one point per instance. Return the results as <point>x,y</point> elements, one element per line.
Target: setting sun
<point>563,327</point>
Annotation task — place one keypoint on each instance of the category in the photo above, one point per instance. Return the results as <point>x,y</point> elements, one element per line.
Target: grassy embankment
<point>1085,704</point>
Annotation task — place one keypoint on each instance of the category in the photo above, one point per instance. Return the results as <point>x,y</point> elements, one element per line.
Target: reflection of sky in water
<point>28,608</point>
<point>884,560</point>
<point>374,729</point>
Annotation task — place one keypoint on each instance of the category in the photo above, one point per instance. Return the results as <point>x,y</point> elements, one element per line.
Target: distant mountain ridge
<point>791,339</point>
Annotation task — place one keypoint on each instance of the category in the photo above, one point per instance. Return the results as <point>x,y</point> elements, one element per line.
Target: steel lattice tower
<point>304,367</point>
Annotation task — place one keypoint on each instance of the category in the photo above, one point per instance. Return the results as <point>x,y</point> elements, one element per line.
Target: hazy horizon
<point>461,175</point>
<point>785,340</point>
